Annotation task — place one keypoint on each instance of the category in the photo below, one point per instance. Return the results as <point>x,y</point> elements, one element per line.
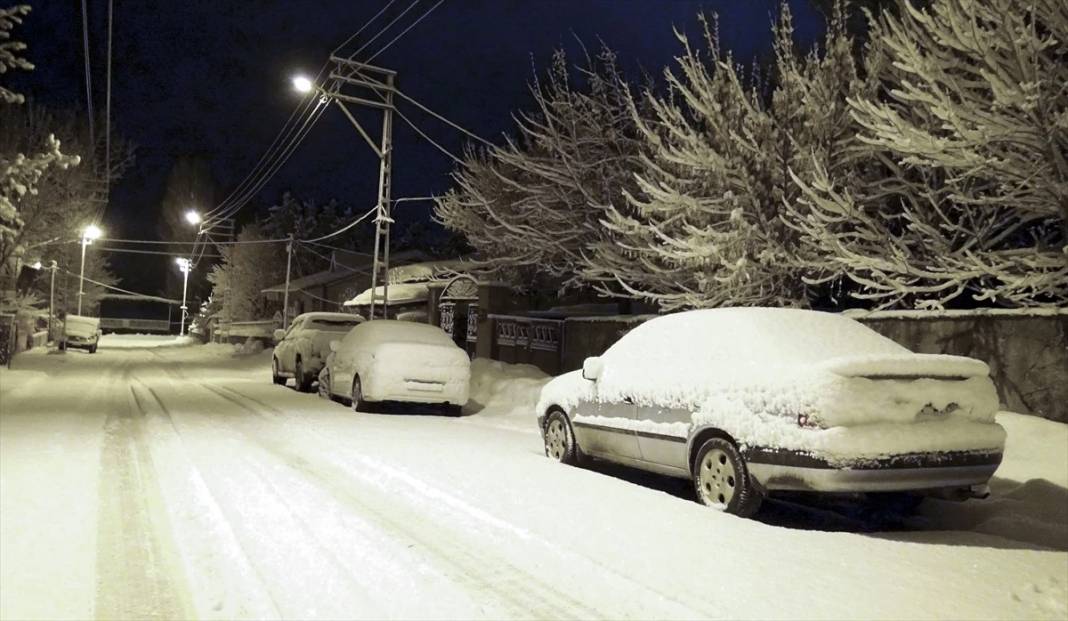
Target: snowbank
<point>128,341</point>
<point>505,392</point>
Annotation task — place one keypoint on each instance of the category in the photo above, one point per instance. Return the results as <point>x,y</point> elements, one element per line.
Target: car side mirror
<point>335,345</point>
<point>279,334</point>
<point>591,368</point>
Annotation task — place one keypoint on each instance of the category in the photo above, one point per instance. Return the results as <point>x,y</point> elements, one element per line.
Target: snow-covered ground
<point>177,482</point>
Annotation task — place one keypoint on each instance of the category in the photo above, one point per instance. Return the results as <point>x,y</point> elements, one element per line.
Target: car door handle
<point>628,400</point>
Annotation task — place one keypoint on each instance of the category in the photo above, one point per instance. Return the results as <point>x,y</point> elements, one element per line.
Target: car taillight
<point>804,420</point>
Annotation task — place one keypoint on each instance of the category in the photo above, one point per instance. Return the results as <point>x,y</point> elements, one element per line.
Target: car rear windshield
<point>334,325</point>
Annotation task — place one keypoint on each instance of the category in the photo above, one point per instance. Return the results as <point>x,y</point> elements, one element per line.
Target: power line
<point>187,243</point>
<point>362,28</point>
<point>88,75</point>
<point>405,31</point>
<point>364,254</point>
<point>387,27</point>
<point>106,286</point>
<point>107,121</point>
<point>373,211</point>
<point>426,137</point>
<point>155,252</point>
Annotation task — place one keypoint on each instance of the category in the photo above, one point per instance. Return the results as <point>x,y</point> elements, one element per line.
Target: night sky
<point>211,78</point>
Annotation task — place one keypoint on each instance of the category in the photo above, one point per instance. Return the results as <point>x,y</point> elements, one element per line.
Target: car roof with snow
<point>320,316</point>
<point>724,336</point>
<point>392,330</point>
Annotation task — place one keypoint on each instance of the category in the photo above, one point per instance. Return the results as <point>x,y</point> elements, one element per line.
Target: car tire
<point>721,479</point>
<point>303,381</point>
<point>275,377</point>
<point>357,395</point>
<point>560,439</point>
<point>324,384</point>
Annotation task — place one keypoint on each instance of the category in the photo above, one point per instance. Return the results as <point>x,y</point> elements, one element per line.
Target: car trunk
<point>906,388</point>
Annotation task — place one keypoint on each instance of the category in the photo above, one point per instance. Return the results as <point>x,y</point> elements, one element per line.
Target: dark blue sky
<point>211,78</point>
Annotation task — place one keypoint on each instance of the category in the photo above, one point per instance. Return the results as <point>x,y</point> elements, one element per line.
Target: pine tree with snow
<point>966,191</point>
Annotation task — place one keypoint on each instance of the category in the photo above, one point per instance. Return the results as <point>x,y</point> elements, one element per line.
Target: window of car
<point>332,324</point>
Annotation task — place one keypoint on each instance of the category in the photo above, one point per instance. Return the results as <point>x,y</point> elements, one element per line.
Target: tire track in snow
<point>489,571</point>
<point>136,577</point>
<point>248,596</point>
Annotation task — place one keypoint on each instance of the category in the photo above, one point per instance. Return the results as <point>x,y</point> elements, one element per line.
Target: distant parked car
<point>300,351</point>
<point>389,360</point>
<point>747,401</point>
<point>80,332</point>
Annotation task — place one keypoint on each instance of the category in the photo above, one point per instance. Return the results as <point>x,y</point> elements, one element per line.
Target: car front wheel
<point>357,395</point>
<point>275,377</point>
<point>722,479</point>
<point>559,440</point>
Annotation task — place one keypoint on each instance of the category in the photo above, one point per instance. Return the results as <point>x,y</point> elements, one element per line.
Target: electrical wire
<point>344,228</point>
<point>187,243</point>
<point>321,245</point>
<point>112,287</point>
<point>383,30</point>
<point>107,122</point>
<point>405,31</point>
<point>362,28</point>
<point>156,252</point>
<point>88,73</point>
<point>426,137</point>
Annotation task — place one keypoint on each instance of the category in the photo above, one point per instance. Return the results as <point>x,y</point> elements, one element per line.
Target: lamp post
<point>183,266</point>
<point>90,233</point>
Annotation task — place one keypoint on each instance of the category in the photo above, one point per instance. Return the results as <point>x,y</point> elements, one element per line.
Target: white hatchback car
<point>746,401</point>
<point>301,351</point>
<point>389,360</point>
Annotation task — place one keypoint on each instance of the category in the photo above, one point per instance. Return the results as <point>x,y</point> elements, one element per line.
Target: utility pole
<point>52,299</point>
<point>184,265</point>
<point>382,86</point>
<point>285,297</point>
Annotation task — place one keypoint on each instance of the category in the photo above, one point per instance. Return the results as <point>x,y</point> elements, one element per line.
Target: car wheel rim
<point>717,479</point>
<point>556,440</point>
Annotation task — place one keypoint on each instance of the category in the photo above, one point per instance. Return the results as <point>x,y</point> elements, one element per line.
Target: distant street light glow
<point>183,264</point>
<point>92,232</point>
<point>302,84</point>
<point>192,217</point>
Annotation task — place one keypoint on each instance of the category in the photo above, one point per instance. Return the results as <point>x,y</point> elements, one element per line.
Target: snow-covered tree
<point>308,219</point>
<point>708,225</point>
<point>247,269</point>
<point>967,185</point>
<point>536,202</point>
<point>10,57</point>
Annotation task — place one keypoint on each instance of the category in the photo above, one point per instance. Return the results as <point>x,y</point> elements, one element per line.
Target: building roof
<point>402,293</point>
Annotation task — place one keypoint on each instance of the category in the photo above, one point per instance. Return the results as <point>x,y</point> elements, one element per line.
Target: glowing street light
<point>90,233</point>
<point>302,84</point>
<point>192,217</point>
<point>184,267</point>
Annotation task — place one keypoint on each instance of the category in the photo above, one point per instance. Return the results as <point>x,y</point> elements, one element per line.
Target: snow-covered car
<point>301,351</point>
<point>80,332</point>
<point>390,360</point>
<point>747,401</point>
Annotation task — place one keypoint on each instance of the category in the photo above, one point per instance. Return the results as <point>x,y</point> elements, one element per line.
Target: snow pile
<point>398,294</point>
<point>138,341</point>
<point>754,372</point>
<point>251,346</point>
<point>505,391</point>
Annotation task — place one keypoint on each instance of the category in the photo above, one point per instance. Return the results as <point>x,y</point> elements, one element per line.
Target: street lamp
<point>302,84</point>
<point>90,233</point>
<point>192,217</point>
<point>184,267</point>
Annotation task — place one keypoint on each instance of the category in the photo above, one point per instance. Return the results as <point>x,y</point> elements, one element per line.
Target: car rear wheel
<point>357,395</point>
<point>324,383</point>
<point>722,479</point>
<point>304,381</point>
<point>275,377</point>
<point>559,439</point>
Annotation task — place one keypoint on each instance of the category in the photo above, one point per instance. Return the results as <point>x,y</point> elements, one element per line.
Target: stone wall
<point>1027,353</point>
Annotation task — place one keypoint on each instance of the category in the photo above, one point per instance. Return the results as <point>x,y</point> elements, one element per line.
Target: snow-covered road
<point>178,482</point>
